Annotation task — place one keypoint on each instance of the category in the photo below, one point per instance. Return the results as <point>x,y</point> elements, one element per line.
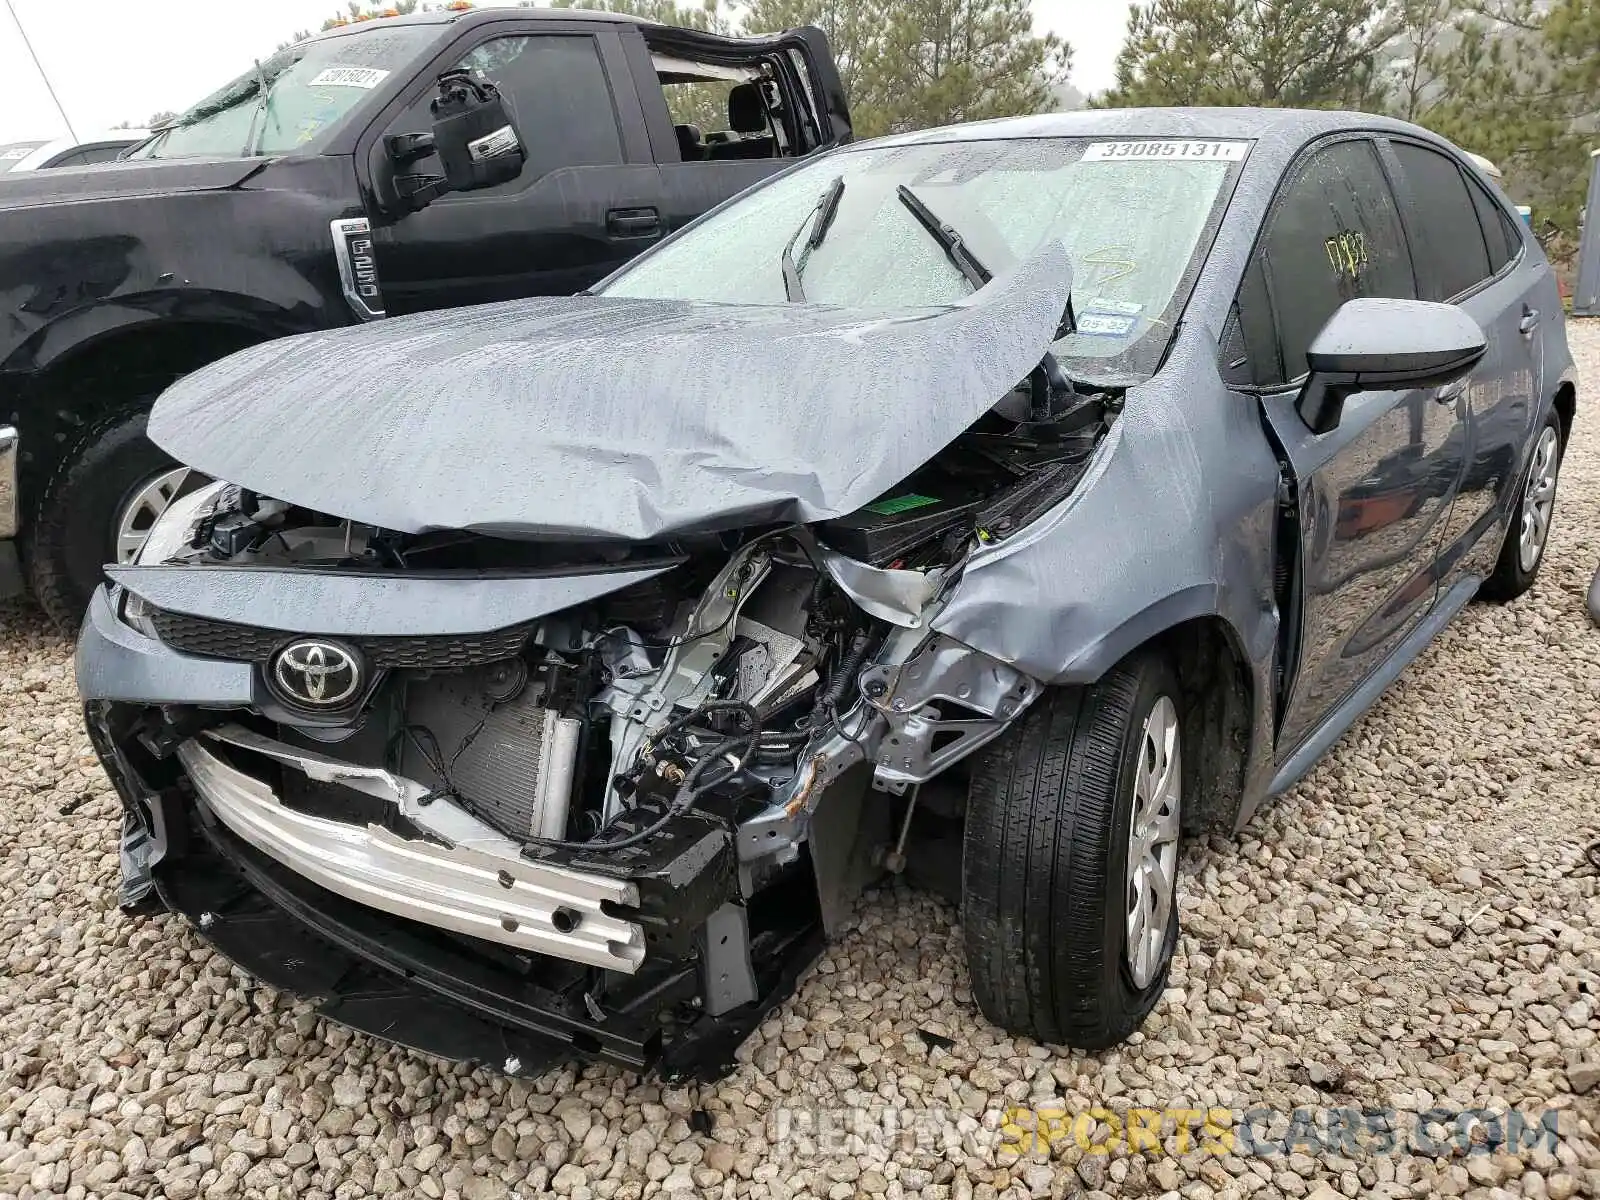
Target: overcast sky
<point>121,60</point>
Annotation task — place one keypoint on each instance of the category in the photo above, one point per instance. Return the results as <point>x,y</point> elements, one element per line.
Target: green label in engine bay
<point>900,504</point>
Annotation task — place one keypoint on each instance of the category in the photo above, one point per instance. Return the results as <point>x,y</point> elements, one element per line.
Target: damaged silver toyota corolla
<point>550,677</point>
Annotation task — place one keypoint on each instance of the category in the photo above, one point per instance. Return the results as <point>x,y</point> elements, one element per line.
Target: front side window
<point>555,90</point>
<point>1134,227</point>
<point>1452,258</point>
<point>292,100</point>
<point>1333,235</point>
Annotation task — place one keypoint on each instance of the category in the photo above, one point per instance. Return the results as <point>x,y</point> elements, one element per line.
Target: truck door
<point>588,199</point>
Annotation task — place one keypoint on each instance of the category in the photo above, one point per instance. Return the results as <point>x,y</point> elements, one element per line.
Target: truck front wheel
<point>97,509</point>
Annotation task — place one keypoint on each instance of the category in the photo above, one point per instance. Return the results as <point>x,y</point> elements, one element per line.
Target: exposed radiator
<point>516,773</point>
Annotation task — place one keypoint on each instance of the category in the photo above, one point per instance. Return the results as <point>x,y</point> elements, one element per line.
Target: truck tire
<point>1049,902</point>
<point>74,530</point>
<point>1528,530</point>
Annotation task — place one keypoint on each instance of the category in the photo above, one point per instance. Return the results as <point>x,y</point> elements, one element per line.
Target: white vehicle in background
<point>14,152</point>
<point>1487,167</point>
<point>68,151</point>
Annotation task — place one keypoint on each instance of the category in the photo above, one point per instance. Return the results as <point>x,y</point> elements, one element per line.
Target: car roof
<point>1286,126</point>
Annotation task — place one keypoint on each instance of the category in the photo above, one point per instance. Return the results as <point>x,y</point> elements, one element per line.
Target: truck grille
<point>248,643</point>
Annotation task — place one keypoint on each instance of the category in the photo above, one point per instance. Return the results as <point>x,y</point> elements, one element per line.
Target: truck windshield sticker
<point>356,77</point>
<point>1174,151</point>
<point>1106,324</point>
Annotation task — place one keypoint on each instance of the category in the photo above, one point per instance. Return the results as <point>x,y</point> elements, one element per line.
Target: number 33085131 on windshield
<point>1151,148</point>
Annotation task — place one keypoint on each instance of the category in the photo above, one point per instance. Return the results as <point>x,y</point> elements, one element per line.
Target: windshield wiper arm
<point>821,219</point>
<point>955,249</point>
<point>1058,385</point>
<point>968,263</point>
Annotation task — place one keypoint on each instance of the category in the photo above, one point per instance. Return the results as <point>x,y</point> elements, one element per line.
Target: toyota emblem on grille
<point>317,674</point>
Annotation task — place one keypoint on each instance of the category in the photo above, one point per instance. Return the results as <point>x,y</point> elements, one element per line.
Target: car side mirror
<point>476,142</point>
<point>1375,344</point>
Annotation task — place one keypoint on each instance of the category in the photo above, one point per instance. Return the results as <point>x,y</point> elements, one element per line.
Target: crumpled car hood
<point>601,417</point>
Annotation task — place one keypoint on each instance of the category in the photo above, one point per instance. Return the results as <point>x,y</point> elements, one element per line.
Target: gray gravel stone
<point>1412,926</point>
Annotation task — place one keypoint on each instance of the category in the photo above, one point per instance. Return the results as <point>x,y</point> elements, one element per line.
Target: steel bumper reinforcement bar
<point>460,886</point>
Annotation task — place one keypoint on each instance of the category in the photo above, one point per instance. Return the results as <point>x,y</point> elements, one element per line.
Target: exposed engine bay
<point>609,794</point>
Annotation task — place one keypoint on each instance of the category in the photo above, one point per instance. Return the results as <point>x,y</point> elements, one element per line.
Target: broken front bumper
<point>410,919</point>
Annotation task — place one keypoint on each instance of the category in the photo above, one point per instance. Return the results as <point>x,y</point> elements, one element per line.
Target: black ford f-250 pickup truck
<point>362,172</point>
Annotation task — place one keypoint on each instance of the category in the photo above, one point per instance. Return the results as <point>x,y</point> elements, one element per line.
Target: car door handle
<point>633,222</point>
<point>1529,322</point>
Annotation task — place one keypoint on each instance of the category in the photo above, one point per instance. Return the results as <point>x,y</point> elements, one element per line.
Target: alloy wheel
<point>143,508</point>
<point>1153,842</point>
<point>1539,499</point>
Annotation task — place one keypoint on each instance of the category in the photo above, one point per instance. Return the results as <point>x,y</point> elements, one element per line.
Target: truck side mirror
<point>475,140</point>
<point>477,144</point>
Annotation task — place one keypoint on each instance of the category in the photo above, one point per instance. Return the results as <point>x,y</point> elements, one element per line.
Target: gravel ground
<point>1413,929</point>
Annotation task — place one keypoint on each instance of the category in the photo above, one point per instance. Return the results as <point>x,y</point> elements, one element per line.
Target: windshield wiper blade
<point>955,249</point>
<point>821,219</point>
<point>1058,385</point>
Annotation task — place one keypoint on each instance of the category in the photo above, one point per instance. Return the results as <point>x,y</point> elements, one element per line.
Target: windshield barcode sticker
<point>356,77</point>
<point>1165,150</point>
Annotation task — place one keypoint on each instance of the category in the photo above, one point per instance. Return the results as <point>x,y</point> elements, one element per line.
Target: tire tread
<point>1040,816</point>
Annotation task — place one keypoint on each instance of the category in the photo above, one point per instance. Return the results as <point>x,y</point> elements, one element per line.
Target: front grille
<point>206,638</point>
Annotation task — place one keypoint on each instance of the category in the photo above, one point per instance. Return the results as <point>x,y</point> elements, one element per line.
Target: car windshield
<point>1135,217</point>
<point>292,99</point>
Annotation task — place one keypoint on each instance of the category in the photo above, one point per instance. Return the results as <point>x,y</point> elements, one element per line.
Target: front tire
<point>103,498</point>
<point>1069,904</point>
<point>1528,531</point>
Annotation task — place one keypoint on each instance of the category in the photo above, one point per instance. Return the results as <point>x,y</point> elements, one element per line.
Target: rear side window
<point>1504,239</point>
<point>1334,235</point>
<point>1452,256</point>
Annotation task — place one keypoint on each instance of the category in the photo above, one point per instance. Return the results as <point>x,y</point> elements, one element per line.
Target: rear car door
<point>1470,253</point>
<point>587,200</point>
<point>1374,492</point>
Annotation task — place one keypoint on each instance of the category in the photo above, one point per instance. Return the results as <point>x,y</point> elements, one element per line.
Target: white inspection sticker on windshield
<point>356,77</point>
<point>1174,150</point>
<point>19,152</point>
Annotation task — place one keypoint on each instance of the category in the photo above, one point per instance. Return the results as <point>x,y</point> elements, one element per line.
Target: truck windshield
<point>1135,217</point>
<point>291,100</point>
